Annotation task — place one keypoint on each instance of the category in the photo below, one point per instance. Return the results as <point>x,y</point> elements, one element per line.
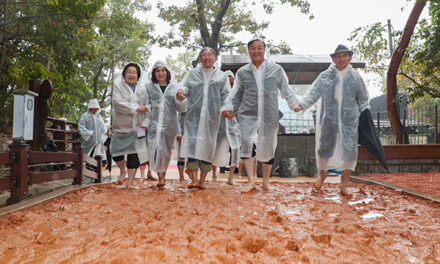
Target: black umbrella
<point>108,155</point>
<point>369,139</point>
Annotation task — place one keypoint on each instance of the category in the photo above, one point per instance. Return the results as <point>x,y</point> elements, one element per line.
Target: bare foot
<point>121,178</point>
<point>182,180</point>
<point>214,179</point>
<point>231,180</point>
<point>193,185</point>
<point>119,182</point>
<point>320,181</point>
<point>249,187</point>
<point>266,186</point>
<point>202,185</point>
<point>344,192</point>
<point>160,185</point>
<point>150,177</point>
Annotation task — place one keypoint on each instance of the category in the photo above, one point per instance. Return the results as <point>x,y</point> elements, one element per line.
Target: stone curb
<point>396,188</point>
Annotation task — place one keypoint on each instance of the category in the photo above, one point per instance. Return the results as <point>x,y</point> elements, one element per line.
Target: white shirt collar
<point>253,67</point>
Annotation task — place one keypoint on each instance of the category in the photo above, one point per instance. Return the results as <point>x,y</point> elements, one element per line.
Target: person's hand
<point>180,95</point>
<point>179,138</point>
<point>142,109</point>
<point>298,108</point>
<point>144,127</point>
<point>228,114</point>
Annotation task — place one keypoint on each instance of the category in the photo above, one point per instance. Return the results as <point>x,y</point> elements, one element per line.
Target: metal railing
<point>420,123</point>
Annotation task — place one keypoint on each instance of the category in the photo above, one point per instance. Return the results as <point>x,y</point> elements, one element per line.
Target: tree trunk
<point>396,59</point>
<point>3,68</point>
<point>95,80</point>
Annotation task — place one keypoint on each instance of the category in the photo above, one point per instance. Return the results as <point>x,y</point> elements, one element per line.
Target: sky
<point>333,22</point>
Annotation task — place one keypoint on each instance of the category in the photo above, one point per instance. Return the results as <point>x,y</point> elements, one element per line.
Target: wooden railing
<point>68,163</point>
<point>20,158</point>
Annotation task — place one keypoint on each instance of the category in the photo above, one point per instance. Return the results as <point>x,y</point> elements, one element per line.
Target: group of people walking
<point>213,118</point>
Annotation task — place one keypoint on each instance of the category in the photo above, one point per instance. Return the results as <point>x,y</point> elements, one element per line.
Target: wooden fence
<point>24,157</point>
<point>21,159</point>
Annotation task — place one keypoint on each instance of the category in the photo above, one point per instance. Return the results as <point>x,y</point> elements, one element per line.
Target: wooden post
<point>435,123</point>
<point>99,169</point>
<point>19,152</point>
<point>79,165</point>
<point>41,111</point>
<point>34,85</point>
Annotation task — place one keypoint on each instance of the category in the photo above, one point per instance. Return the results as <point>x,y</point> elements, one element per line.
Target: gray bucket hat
<point>341,48</point>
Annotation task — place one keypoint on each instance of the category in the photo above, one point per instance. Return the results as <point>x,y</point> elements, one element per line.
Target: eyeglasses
<point>131,72</point>
<point>210,55</point>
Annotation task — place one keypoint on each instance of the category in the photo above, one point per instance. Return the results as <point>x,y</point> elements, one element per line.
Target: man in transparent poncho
<point>254,100</point>
<point>92,130</point>
<point>206,89</point>
<point>344,97</point>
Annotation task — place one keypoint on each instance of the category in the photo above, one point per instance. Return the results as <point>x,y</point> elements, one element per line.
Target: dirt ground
<point>428,182</point>
<point>291,224</point>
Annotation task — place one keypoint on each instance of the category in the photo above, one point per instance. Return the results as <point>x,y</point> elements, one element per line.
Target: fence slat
<point>42,157</point>
<point>52,176</point>
<point>5,184</point>
<point>90,161</point>
<point>90,174</point>
<point>4,158</point>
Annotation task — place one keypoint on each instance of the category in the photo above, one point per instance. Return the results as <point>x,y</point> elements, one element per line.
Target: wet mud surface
<point>428,182</point>
<point>291,224</point>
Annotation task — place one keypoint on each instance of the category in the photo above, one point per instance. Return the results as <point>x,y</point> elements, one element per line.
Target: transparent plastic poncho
<point>342,97</point>
<point>202,119</point>
<point>164,125</point>
<point>256,107</point>
<point>89,124</point>
<point>126,120</point>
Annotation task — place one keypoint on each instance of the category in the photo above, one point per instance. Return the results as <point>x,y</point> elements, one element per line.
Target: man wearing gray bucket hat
<point>344,97</point>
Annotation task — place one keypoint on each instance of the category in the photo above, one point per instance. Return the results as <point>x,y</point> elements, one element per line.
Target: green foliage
<point>214,23</point>
<point>78,45</point>
<point>418,73</point>
<point>283,48</point>
<point>121,38</point>
<point>181,64</point>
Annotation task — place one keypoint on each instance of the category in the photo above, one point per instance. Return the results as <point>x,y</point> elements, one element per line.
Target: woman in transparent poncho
<point>130,118</point>
<point>343,97</point>
<point>164,126</point>
<point>92,129</point>
<point>206,88</point>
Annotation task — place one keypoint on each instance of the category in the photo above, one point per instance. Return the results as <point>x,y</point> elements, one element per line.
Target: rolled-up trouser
<point>132,160</point>
<point>180,164</point>
<point>195,164</point>
<point>254,153</point>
